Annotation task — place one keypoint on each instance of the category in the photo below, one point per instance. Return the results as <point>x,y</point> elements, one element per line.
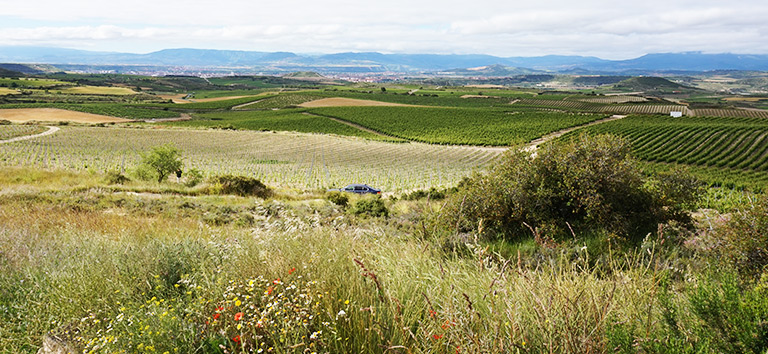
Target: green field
<point>15,130</point>
<point>458,126</point>
<point>281,120</point>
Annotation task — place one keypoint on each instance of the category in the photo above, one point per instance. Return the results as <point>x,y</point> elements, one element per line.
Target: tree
<point>162,160</point>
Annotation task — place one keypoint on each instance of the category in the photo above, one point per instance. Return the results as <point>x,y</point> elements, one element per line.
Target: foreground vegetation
<point>140,267</point>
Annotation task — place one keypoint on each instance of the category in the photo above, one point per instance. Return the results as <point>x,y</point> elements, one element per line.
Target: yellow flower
<point>237,302</point>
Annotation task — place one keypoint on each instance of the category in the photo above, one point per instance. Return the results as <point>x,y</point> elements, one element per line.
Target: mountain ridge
<point>375,61</point>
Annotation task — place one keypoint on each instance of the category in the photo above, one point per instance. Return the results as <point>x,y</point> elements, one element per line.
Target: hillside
<point>645,84</point>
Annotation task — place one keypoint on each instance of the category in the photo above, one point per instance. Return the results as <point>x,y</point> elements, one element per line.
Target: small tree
<point>162,160</point>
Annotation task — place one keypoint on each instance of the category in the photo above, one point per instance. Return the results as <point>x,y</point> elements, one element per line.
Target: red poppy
<point>437,336</point>
<point>236,339</point>
<point>216,316</point>
<point>432,313</point>
<point>292,270</point>
<point>219,308</point>
<point>276,281</point>
<point>238,316</point>
<point>269,290</point>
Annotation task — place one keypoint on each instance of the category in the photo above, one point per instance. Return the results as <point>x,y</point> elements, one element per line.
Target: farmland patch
<point>22,115</point>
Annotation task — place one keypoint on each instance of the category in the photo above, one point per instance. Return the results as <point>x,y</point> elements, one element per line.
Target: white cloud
<point>506,28</point>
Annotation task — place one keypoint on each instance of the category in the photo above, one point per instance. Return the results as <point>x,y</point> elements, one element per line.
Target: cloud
<point>505,28</point>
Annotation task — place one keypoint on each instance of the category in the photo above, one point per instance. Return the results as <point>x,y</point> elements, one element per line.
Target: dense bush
<point>433,194</point>
<point>745,238</point>
<point>370,206</point>
<point>239,185</point>
<point>338,198</point>
<point>114,177</point>
<point>589,183</point>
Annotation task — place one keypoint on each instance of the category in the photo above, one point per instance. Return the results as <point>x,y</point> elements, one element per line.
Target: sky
<point>606,29</point>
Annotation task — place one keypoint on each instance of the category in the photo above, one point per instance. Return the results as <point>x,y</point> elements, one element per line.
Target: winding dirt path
<point>50,131</point>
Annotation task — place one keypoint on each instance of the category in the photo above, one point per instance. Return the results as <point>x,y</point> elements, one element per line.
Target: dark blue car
<point>359,189</point>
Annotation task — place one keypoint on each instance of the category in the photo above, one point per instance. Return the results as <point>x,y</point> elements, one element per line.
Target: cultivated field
<point>54,115</point>
<point>301,160</point>
<point>97,90</point>
<point>346,102</point>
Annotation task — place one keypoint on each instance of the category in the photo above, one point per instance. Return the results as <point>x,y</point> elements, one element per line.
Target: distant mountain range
<point>378,62</point>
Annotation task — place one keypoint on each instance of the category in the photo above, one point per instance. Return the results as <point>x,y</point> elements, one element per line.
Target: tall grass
<point>114,278</point>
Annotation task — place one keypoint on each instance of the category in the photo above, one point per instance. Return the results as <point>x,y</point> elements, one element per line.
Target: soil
<point>21,115</point>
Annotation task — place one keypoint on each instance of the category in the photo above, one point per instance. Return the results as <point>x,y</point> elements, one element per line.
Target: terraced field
<point>281,159</point>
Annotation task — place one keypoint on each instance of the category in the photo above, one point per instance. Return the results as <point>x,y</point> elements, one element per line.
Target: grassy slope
<point>137,271</point>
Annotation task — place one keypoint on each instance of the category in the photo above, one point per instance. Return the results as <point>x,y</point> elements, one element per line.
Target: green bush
<point>745,238</point>
<point>239,185</point>
<point>193,178</point>
<point>370,206</point>
<point>5,122</point>
<point>338,198</point>
<point>589,183</point>
<point>114,177</point>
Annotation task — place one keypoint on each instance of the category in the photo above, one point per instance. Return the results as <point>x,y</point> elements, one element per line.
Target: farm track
<point>533,145</point>
<point>353,125</point>
<point>50,131</point>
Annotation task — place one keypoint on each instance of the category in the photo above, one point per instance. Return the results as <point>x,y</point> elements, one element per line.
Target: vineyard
<point>733,113</point>
<point>576,105</point>
<point>280,101</point>
<point>463,126</point>
<point>15,130</point>
<point>733,143</point>
<point>645,109</point>
<point>306,160</point>
<point>278,120</point>
<point>614,99</point>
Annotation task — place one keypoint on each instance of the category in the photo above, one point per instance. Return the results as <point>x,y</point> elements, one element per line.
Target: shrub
<point>338,198</point>
<point>114,177</point>
<point>194,177</point>
<point>370,206</point>
<point>4,122</point>
<point>239,185</point>
<point>589,183</point>
<point>745,238</point>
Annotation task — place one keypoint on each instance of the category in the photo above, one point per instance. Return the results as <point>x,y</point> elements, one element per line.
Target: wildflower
<point>276,281</point>
<point>236,339</point>
<point>238,302</point>
<point>437,336</point>
<point>341,313</point>
<point>269,290</point>
<point>219,308</point>
<point>432,313</point>
<point>216,316</point>
<point>292,270</point>
<point>238,316</point>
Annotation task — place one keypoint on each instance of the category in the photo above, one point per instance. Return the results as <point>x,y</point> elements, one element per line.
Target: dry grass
<point>348,102</point>
<point>97,90</point>
<point>7,91</point>
<point>746,99</point>
<point>22,115</point>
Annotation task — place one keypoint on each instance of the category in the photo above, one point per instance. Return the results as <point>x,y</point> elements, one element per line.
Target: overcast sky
<point>607,29</point>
